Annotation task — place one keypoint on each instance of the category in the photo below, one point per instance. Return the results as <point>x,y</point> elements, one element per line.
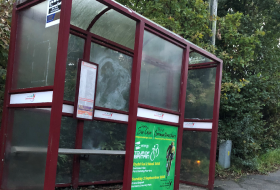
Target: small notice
<point>53,12</point>
<point>86,93</point>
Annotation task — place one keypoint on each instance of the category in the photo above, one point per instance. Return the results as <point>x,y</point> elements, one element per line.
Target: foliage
<point>188,18</point>
<point>234,172</point>
<point>5,29</point>
<point>250,90</point>
<point>268,162</point>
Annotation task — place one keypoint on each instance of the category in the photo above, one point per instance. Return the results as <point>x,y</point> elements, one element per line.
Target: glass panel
<point>20,1</point>
<point>68,132</point>
<point>101,135</point>
<point>198,58</point>
<point>160,73</point>
<point>116,27</point>
<point>67,140</point>
<point>75,52</point>
<point>101,168</point>
<point>64,168</point>
<point>36,46</point>
<point>84,11</point>
<point>195,157</point>
<point>114,77</point>
<point>26,151</point>
<point>200,93</point>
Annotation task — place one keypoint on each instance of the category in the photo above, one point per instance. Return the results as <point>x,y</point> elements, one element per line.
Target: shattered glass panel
<point>116,27</point>
<point>35,52</point>
<point>75,52</point>
<point>114,77</point>
<point>160,73</point>
<point>84,11</point>
<point>200,93</point>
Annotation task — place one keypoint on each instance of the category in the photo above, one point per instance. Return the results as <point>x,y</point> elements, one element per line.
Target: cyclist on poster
<point>169,156</point>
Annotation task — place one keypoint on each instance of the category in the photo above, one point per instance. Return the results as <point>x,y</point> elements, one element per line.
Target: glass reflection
<point>200,93</point>
<point>160,73</point>
<point>195,157</point>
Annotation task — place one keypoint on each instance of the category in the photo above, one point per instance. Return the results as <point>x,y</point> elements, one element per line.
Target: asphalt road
<point>251,182</point>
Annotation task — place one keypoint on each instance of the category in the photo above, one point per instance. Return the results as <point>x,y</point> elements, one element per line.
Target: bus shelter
<point>98,94</point>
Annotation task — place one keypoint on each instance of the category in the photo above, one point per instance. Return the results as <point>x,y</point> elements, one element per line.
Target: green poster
<point>154,156</point>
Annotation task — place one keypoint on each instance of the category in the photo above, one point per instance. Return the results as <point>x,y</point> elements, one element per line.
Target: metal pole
<point>213,8</point>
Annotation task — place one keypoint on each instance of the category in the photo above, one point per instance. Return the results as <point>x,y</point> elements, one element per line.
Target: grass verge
<point>266,163</point>
<point>269,162</point>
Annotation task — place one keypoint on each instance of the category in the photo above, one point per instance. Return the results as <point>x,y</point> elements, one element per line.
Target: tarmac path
<point>250,182</point>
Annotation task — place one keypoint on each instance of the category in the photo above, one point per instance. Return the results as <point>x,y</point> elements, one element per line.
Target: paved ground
<point>252,182</point>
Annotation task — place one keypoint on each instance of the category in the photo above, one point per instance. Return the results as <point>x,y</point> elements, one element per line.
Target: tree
<point>250,93</point>
<point>5,29</point>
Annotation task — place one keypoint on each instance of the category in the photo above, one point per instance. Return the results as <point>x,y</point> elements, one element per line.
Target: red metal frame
<point>134,93</point>
<point>215,125</point>
<point>103,41</point>
<point>87,48</point>
<point>64,30</point>
<point>28,90</point>
<point>184,80</point>
<point>158,109</point>
<point>198,120</point>
<point>96,18</point>
<point>58,94</point>
<point>200,130</point>
<point>157,121</point>
<point>202,67</point>
<point>111,47</point>
<point>35,105</point>
<point>78,89</point>
<point>110,120</point>
<point>203,64</point>
<point>111,110</point>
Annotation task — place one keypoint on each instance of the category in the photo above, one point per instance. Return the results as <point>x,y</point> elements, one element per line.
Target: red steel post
<point>184,80</point>
<point>58,93</point>
<point>133,105</point>
<point>215,125</point>
<point>80,127</point>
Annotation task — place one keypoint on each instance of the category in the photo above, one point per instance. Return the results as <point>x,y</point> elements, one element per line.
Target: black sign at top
<point>54,6</point>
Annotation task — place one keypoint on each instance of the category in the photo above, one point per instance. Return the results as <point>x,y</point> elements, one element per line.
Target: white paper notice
<point>86,91</point>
